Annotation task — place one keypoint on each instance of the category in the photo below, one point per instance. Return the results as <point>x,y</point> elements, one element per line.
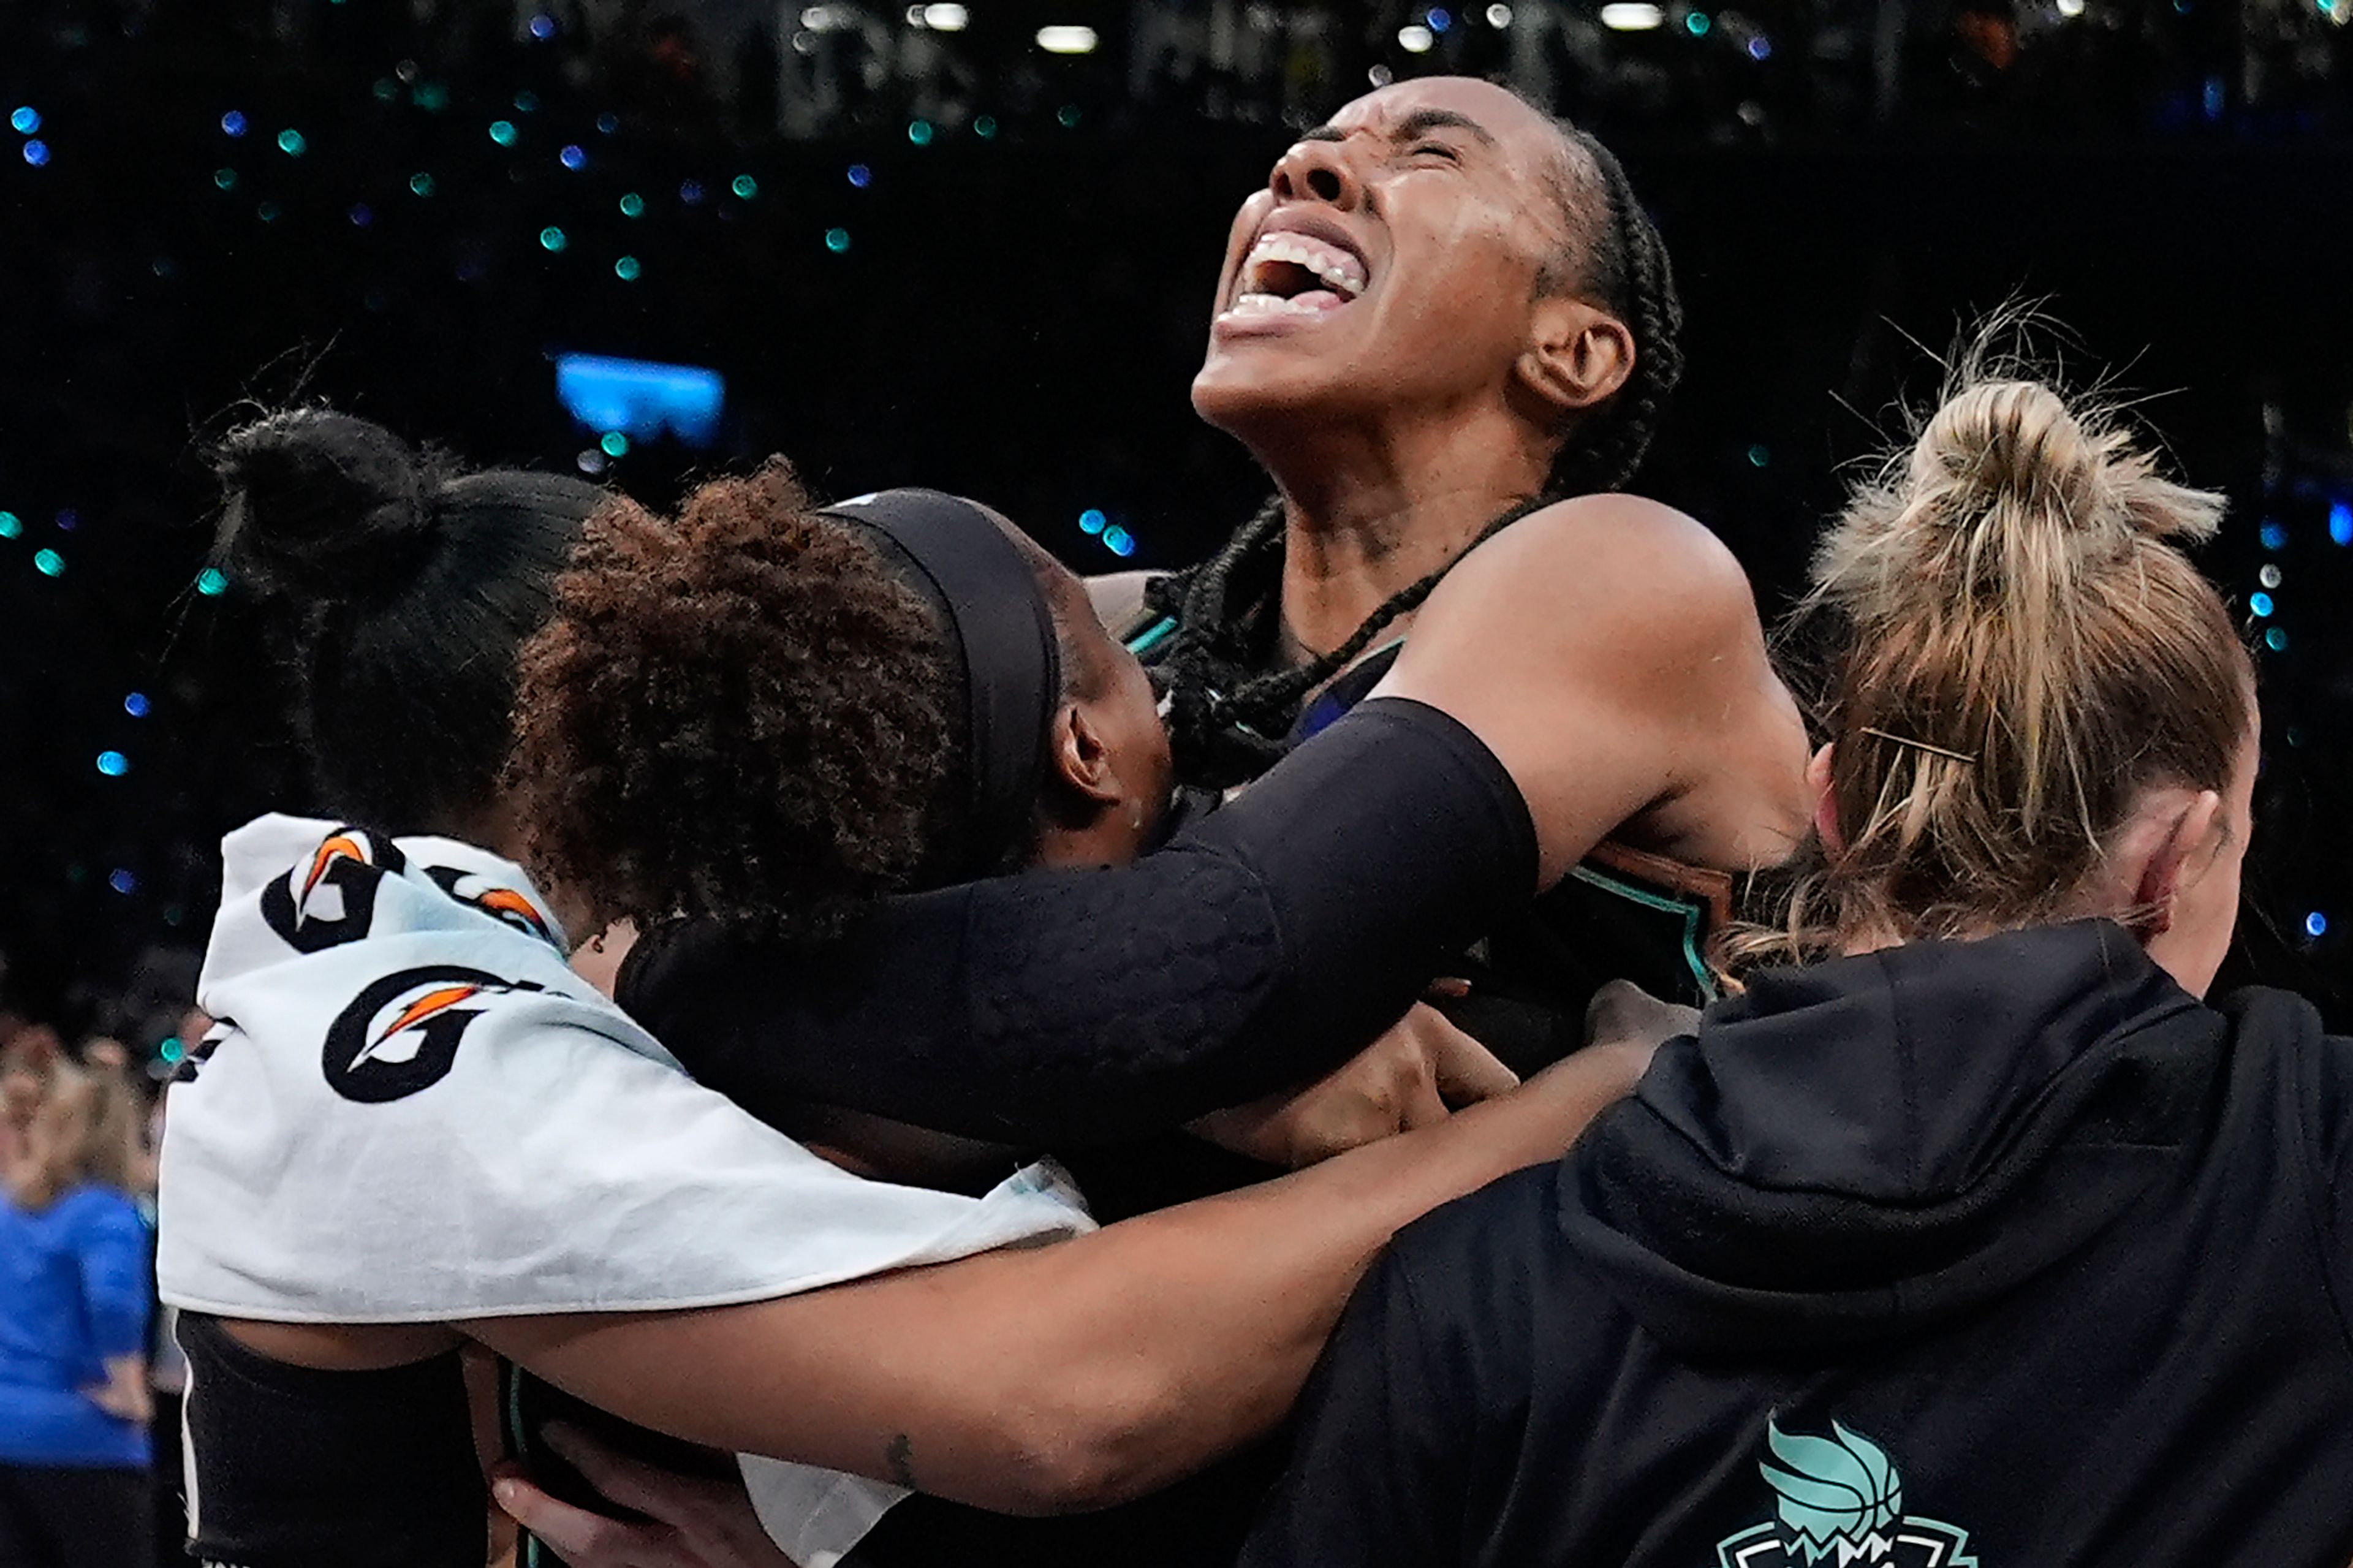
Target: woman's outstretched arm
<point>1072,1376</point>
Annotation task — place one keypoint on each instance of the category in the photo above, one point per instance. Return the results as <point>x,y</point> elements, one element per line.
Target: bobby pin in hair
<point>1968,757</point>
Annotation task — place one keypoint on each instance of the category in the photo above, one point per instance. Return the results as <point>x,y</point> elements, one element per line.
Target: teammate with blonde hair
<point>1976,1235</point>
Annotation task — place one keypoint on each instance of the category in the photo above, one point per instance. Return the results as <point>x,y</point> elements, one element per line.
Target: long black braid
<point>1227,715</point>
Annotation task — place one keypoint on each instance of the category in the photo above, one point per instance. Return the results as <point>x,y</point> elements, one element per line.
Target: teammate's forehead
<point>1480,107</point>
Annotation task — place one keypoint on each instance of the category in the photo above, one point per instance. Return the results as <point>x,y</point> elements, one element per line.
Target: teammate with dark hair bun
<point>415,1126</point>
<point>406,584</point>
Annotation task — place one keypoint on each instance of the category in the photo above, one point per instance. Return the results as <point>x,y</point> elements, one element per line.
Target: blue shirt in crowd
<point>74,1291</point>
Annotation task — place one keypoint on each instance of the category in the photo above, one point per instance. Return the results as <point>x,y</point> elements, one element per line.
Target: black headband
<point>1001,630</point>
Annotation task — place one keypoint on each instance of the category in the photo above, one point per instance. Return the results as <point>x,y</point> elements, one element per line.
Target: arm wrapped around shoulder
<point>1262,947</point>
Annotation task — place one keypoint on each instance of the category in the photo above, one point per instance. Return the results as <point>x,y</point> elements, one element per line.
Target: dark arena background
<point>973,246</point>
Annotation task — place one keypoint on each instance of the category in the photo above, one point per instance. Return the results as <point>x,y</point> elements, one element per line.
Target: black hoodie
<point>2008,1252</point>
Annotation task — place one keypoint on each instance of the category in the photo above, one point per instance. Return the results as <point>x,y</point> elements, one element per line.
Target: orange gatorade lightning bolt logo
<point>374,1060</point>
<point>505,903</point>
<point>417,1012</point>
<point>343,846</point>
<point>351,862</point>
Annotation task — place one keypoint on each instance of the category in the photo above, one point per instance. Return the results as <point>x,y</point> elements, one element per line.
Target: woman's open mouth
<point>1291,275</point>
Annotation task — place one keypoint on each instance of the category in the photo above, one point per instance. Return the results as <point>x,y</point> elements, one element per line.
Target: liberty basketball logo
<point>1839,1497</point>
<point>401,1033</point>
<point>329,899</point>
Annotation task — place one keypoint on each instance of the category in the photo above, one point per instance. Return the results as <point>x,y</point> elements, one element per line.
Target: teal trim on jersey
<point>1665,903</point>
<point>1152,637</point>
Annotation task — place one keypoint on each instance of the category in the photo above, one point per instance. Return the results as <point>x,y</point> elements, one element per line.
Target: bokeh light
<point>48,563</point>
<point>920,132</point>
<point>136,705</point>
<point>232,123</point>
<point>25,121</point>
<point>2276,639</point>
<point>2315,925</point>
<point>627,269</point>
<point>291,143</point>
<point>543,26</point>
<point>745,186</point>
<point>2340,522</point>
<point>2273,535</point>
<point>837,241</point>
<point>11,525</point>
<point>616,444</point>
<point>502,131</point>
<point>1092,521</point>
<point>691,192</point>
<point>122,880</point>
<point>2259,604</point>
<point>113,765</point>
<point>36,153</point>
<point>862,176</point>
<point>984,126</point>
<point>550,238</point>
<point>212,582</point>
<point>633,206</point>
<point>574,156</point>
<point>1119,542</point>
<point>421,184</point>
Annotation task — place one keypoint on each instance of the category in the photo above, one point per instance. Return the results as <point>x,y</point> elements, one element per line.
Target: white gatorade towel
<point>412,1111</point>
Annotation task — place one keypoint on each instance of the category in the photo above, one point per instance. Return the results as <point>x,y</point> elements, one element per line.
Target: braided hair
<point>1226,716</point>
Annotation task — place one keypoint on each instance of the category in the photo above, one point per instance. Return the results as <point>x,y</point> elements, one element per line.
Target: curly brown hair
<point>746,714</point>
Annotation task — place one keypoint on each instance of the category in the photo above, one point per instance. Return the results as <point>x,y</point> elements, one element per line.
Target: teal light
<point>837,241</point>
<point>626,270</point>
<point>919,131</point>
<point>212,582</point>
<point>113,765</point>
<point>1069,115</point>
<point>290,143</point>
<point>172,1049</point>
<point>11,525</point>
<point>421,184</point>
<point>552,238</point>
<point>984,127</point>
<point>616,445</point>
<point>633,206</point>
<point>502,131</point>
<point>2276,639</point>
<point>1760,455</point>
<point>48,563</point>
<point>225,178</point>
<point>1697,24</point>
<point>430,97</point>
<point>2259,603</point>
<point>745,186</point>
<point>268,212</point>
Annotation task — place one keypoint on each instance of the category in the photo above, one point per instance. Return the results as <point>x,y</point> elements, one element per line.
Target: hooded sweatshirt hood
<point>1862,1148</point>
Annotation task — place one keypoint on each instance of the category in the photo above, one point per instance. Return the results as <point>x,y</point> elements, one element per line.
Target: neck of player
<point>1372,508</point>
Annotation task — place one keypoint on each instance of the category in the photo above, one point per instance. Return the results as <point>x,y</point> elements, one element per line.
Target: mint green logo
<point>1839,1497</point>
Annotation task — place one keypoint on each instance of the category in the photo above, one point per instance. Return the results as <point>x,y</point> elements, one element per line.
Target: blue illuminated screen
<point>642,398</point>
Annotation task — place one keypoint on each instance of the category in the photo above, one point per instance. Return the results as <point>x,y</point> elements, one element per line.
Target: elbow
<point>1077,1454</point>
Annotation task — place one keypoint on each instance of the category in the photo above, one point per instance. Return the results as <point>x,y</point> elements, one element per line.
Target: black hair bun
<point>323,506</point>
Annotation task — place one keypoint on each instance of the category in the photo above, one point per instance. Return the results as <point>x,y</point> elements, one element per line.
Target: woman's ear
<point>1578,355</point>
<point>1826,822</point>
<point>1081,761</point>
<point>2172,837</point>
